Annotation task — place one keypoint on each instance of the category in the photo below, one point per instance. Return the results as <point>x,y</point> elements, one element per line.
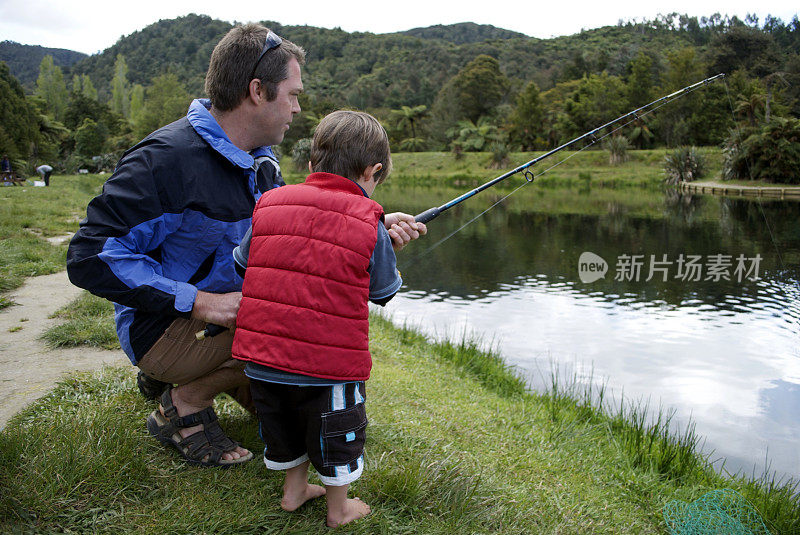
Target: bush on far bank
<point>771,153</point>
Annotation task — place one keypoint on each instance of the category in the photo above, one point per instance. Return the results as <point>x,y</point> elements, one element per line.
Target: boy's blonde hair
<point>347,142</point>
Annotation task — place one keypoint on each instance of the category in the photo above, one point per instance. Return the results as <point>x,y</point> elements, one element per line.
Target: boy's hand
<point>402,229</point>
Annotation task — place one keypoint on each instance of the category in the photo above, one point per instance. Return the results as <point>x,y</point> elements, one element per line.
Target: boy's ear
<point>369,172</point>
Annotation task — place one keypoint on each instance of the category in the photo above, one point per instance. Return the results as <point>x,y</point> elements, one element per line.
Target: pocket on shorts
<point>343,435</point>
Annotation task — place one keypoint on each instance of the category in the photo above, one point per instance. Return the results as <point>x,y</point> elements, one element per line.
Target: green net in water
<point>719,512</point>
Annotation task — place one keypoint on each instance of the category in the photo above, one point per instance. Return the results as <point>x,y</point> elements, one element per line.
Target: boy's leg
<point>342,509</point>
<point>281,427</point>
<point>335,441</point>
<point>296,488</point>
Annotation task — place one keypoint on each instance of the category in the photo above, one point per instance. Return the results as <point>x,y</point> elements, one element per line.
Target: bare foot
<point>295,497</point>
<point>352,509</point>
<point>186,408</point>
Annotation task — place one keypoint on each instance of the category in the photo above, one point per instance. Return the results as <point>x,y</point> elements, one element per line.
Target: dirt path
<point>28,368</point>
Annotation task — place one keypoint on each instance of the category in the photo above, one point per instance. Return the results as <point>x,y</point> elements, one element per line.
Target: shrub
<point>773,153</point>
<point>617,147</point>
<point>301,153</point>
<point>684,164</point>
<point>499,157</point>
<point>734,156</point>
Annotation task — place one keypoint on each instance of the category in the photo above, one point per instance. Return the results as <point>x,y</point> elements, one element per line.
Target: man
<point>45,171</point>
<point>158,241</point>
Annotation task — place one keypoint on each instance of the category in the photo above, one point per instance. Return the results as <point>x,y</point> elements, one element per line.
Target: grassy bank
<point>644,168</point>
<point>455,444</point>
<point>31,215</point>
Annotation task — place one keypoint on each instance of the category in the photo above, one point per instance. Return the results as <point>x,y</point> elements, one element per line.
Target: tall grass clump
<point>487,366</point>
<point>684,164</point>
<point>89,320</point>
<point>617,147</point>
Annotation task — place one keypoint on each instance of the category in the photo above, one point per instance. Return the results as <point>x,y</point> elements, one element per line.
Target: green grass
<point>30,215</point>
<point>455,445</point>
<point>644,169</point>
<point>89,320</point>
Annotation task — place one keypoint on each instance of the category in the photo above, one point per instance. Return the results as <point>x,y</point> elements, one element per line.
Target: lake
<point>697,312</point>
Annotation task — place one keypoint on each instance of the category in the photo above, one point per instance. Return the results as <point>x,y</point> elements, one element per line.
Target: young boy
<point>318,252</point>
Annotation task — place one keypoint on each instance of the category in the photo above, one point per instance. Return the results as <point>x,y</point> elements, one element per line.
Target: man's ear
<point>254,91</point>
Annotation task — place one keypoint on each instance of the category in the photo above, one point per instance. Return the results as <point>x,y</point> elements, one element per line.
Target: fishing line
<point>462,227</point>
<point>530,177</point>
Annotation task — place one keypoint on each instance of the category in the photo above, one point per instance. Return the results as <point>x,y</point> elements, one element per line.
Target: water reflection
<point>723,352</point>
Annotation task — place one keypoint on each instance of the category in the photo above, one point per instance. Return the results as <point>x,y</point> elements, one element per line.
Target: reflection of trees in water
<point>511,247</point>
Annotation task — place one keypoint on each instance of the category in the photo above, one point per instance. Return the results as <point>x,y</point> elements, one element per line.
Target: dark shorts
<point>323,424</point>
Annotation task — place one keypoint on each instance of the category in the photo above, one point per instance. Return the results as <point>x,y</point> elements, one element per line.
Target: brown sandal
<point>206,447</point>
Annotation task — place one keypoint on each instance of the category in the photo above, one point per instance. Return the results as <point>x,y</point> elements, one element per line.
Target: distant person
<point>45,171</point>
<point>303,325</point>
<point>5,166</point>
<point>158,240</point>
<point>7,171</point>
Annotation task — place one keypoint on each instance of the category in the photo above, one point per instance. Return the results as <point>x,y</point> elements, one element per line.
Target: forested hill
<point>23,60</point>
<point>409,68</point>
<point>463,32</point>
<point>464,87</point>
<point>373,70</point>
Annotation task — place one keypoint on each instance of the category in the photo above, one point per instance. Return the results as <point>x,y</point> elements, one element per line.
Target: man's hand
<point>219,309</point>
<point>402,229</point>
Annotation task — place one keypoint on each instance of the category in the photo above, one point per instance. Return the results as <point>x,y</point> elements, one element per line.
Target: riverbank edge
<point>647,438</point>
<point>655,465</point>
<point>717,187</point>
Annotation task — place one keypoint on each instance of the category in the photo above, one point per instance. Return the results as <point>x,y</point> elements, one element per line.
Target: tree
<point>477,88</point>
<point>51,87</point>
<point>744,48</point>
<point>120,88</point>
<point>598,100</point>
<point>684,68</point>
<point>137,103</point>
<point>750,106</point>
<point>640,82</point>
<point>473,137</point>
<point>166,101</point>
<point>83,85</point>
<point>90,138</point>
<point>527,119</point>
<point>407,119</point>
<point>18,118</point>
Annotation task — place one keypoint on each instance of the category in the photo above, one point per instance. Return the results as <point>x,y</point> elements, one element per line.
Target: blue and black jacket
<point>166,223</point>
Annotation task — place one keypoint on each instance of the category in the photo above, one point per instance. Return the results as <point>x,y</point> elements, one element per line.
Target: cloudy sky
<point>91,26</point>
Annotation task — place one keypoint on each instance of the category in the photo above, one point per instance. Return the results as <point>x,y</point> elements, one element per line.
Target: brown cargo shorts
<point>178,357</point>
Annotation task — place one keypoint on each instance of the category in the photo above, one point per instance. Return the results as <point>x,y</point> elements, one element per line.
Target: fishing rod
<point>434,212</point>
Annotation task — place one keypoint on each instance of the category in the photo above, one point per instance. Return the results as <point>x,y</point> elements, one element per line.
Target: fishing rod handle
<point>427,215</point>
<point>210,331</point>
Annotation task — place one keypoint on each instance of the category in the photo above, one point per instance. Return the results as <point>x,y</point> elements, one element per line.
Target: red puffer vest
<point>306,288</point>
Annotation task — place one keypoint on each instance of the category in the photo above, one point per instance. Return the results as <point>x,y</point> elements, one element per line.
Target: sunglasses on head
<point>272,41</point>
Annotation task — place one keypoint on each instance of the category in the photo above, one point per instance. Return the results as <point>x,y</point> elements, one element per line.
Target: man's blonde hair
<point>347,142</point>
<point>233,62</point>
